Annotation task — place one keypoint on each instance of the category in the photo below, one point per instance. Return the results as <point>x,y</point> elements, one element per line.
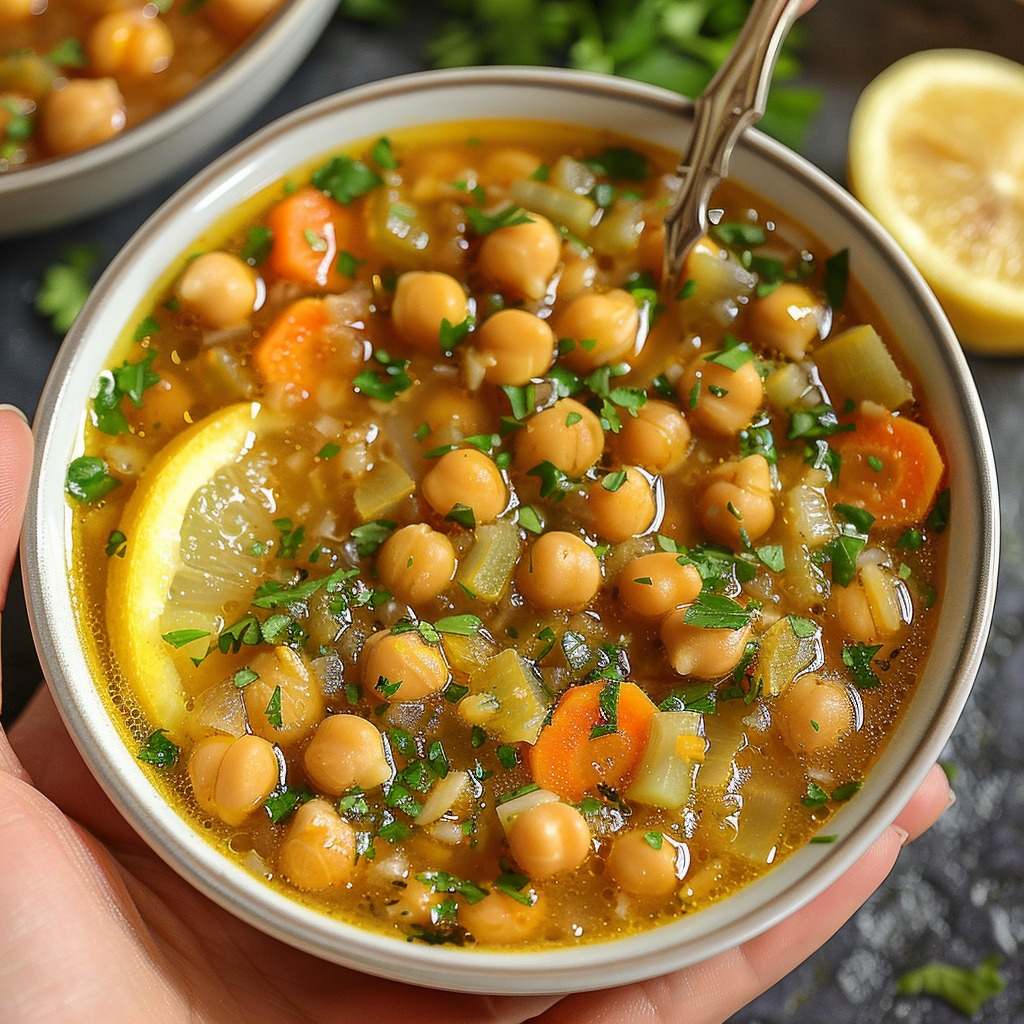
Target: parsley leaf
<point>345,179</point>
<point>159,751</point>
<point>965,989</point>
<point>65,287</point>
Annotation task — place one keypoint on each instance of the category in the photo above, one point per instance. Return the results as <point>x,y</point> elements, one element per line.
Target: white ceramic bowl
<point>64,189</point>
<point>634,110</point>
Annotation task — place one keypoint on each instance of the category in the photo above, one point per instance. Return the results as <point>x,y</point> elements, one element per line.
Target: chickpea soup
<point>74,73</point>
<point>458,576</point>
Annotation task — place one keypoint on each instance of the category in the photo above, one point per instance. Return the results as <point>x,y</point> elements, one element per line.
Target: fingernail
<point>902,833</point>
<point>952,800</point>
<point>14,409</point>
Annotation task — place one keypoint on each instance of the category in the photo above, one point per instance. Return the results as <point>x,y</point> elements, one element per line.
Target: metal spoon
<point>733,100</point>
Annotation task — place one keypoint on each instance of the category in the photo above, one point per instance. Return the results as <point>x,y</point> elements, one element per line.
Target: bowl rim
<point>226,77</point>
<point>571,968</point>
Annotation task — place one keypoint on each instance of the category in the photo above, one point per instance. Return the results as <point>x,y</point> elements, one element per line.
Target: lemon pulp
<point>194,526</point>
<point>937,155</point>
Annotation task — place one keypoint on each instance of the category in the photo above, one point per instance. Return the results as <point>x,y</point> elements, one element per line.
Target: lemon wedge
<point>937,155</point>
<point>194,526</point>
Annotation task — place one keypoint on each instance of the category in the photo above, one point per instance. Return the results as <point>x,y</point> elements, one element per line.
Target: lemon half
<point>937,155</point>
<point>192,527</point>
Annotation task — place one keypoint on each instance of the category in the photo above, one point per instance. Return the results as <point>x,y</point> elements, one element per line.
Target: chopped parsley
<point>386,384</point>
<point>159,751</point>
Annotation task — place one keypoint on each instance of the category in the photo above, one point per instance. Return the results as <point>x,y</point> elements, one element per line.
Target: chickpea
<point>639,867</point>
<point>699,651</point>
<point>548,839</point>
<point>627,511</point>
<point>852,611</point>
<point>654,584</point>
<point>203,766</point>
<point>504,166</point>
<point>402,666</point>
<point>416,563</point>
<point>560,572</point>
<point>603,326</point>
<point>657,438</point>
<point>786,320</point>
<point>133,43</point>
<point>568,435</point>
<point>319,848</point>
<point>302,703</point>
<point>521,345</point>
<point>737,502</point>
<point>719,400</point>
<point>650,250</point>
<point>248,773</point>
<point>520,260</point>
<point>456,415</point>
<point>84,113</point>
<point>423,299</point>
<point>238,17</point>
<point>415,904</point>
<point>814,713</point>
<point>219,288</point>
<point>346,751</point>
<point>498,919</point>
<point>466,477</point>
<point>578,276</point>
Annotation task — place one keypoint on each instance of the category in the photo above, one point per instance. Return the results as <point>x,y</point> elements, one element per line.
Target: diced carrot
<point>891,467</point>
<point>295,348</point>
<point>566,760</point>
<point>309,229</point>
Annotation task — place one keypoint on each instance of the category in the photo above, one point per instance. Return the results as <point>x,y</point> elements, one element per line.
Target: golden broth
<point>687,641</point>
<point>76,72</point>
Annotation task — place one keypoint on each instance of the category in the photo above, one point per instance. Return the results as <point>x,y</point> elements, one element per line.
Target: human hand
<point>97,927</point>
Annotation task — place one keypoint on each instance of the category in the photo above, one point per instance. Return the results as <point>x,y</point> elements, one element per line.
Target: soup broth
<point>74,73</point>
<point>457,575</point>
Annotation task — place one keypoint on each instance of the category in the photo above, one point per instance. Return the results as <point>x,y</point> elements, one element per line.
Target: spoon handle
<point>732,101</point>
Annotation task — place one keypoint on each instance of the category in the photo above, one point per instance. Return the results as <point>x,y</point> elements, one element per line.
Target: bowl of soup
<point>99,101</point>
<point>443,591</point>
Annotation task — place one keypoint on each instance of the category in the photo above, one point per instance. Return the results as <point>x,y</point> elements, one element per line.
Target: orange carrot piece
<point>295,348</point>
<point>566,760</point>
<point>891,467</point>
<point>309,229</point>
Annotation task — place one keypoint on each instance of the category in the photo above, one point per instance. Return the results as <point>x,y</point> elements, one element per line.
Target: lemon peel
<point>937,155</point>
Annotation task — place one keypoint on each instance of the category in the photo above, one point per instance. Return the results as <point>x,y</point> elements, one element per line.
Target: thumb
<point>15,467</point>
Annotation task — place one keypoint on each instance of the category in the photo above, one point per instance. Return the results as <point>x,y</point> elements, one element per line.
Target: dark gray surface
<point>957,895</point>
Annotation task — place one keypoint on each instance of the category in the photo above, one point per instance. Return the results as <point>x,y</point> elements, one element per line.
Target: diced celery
<point>571,175</point>
<point>398,229</point>
<point>487,568</point>
<point>27,75</point>
<point>466,654</point>
<point>618,233</point>
<point>666,771</point>
<point>383,488</point>
<point>718,277</point>
<point>785,652</point>
<point>856,366</point>
<point>575,212</point>
<point>520,694</point>
<point>789,387</point>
